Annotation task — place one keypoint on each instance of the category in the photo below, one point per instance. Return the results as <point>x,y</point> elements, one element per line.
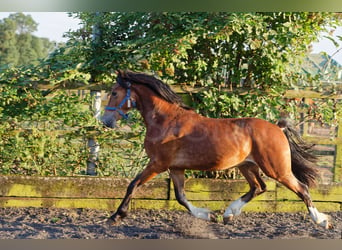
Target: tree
<point>244,61</point>
<point>8,51</point>
<point>17,44</point>
<point>24,24</point>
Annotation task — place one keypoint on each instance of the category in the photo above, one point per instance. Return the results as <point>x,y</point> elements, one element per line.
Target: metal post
<point>96,103</point>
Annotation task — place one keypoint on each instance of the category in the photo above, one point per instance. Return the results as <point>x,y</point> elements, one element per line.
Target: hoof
<point>212,218</point>
<point>115,219</point>
<point>329,226</point>
<point>202,213</point>
<point>112,222</point>
<point>320,219</point>
<point>228,219</point>
<point>326,224</point>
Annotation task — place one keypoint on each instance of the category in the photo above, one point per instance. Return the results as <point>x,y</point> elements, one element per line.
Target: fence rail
<point>107,193</point>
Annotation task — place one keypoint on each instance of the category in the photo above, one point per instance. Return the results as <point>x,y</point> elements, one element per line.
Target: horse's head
<point>120,102</point>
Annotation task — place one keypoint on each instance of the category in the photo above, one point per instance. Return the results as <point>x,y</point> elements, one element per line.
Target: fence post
<point>338,154</point>
<point>304,127</point>
<point>93,145</point>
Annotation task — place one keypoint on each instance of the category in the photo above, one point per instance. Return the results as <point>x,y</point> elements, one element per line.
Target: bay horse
<point>178,138</point>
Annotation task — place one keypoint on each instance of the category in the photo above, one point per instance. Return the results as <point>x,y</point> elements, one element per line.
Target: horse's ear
<point>120,73</point>
<point>120,79</point>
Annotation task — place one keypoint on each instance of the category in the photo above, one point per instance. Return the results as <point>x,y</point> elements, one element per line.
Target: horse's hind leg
<point>257,186</point>
<point>285,176</point>
<point>291,182</point>
<point>177,176</point>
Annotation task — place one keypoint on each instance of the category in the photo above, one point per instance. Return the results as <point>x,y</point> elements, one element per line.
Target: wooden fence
<point>336,141</point>
<point>106,194</point>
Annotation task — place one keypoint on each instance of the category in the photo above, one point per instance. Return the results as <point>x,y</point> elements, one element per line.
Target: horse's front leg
<point>177,176</point>
<point>147,174</point>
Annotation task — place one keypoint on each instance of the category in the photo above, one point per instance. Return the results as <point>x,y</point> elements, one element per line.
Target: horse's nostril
<point>108,121</point>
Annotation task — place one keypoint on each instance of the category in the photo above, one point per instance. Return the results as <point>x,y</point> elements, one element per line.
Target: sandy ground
<point>53,223</point>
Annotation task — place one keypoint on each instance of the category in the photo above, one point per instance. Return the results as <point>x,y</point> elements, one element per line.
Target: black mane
<point>126,78</point>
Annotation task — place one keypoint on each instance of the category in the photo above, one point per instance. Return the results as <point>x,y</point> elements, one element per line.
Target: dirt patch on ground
<point>52,223</point>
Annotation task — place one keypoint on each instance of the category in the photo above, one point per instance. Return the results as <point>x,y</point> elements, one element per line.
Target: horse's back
<point>265,132</point>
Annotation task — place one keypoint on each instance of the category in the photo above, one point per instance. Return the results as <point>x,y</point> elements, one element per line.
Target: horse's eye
<point>114,93</point>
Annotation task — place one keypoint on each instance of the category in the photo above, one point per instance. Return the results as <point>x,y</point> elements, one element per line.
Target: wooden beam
<point>312,94</point>
<point>183,89</point>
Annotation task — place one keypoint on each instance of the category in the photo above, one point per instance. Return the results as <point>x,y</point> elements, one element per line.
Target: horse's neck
<point>155,110</point>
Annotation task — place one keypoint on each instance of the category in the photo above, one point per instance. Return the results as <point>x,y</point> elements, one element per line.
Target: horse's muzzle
<point>109,120</point>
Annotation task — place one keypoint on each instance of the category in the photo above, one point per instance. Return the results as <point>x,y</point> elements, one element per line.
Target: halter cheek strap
<point>129,103</point>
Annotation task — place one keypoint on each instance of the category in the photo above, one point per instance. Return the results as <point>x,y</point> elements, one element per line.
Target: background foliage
<point>18,46</point>
<point>245,61</point>
<point>241,63</point>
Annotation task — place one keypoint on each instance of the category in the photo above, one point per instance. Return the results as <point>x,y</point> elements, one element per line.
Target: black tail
<point>302,160</point>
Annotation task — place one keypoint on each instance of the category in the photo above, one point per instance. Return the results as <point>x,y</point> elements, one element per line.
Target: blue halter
<point>118,108</point>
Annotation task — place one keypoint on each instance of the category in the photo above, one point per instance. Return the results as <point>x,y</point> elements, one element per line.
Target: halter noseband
<point>118,108</point>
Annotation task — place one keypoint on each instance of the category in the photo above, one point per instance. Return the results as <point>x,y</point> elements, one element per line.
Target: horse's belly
<point>207,160</point>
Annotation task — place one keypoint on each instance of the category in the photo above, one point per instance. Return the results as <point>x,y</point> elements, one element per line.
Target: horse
<point>177,138</point>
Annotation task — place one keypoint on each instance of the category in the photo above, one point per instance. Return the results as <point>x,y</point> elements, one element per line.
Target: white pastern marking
<point>319,218</point>
<point>234,208</point>
<point>201,213</point>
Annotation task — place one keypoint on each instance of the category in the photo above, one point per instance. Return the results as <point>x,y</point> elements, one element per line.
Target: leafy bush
<point>47,135</point>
